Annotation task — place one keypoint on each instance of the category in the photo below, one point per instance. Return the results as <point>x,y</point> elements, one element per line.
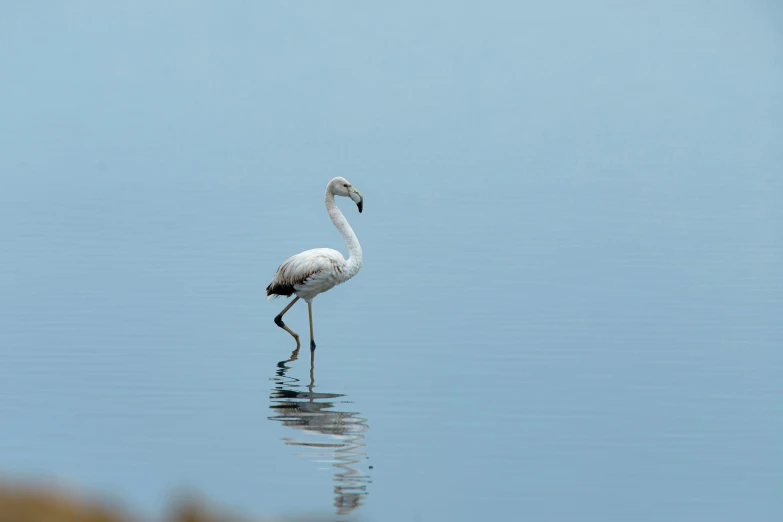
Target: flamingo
<point>315,271</point>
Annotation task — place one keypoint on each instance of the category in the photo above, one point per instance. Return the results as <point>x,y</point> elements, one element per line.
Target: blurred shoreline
<point>43,502</point>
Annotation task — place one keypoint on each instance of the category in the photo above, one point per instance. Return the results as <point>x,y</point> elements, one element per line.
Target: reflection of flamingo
<point>309,412</point>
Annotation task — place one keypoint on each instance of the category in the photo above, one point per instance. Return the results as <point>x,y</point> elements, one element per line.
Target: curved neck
<point>354,262</point>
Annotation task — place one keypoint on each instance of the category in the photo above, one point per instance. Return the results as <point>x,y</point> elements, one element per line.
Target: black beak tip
<point>360,204</point>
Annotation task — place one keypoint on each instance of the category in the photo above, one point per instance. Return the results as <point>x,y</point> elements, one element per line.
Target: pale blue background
<point>572,300</point>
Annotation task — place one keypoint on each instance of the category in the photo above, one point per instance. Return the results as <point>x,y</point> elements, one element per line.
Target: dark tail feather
<point>279,290</point>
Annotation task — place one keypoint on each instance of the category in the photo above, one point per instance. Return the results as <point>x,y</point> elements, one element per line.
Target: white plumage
<point>312,272</point>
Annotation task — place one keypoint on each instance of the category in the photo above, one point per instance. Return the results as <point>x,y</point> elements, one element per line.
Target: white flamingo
<point>312,272</point>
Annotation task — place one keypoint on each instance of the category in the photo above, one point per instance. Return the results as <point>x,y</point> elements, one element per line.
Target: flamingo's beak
<point>357,198</point>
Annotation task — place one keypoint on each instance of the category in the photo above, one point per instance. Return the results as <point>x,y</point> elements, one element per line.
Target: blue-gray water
<point>571,306</point>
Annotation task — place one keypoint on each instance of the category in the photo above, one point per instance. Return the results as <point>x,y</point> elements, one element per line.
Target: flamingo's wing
<point>312,267</point>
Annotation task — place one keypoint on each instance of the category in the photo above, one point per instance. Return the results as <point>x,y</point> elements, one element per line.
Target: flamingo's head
<point>341,187</point>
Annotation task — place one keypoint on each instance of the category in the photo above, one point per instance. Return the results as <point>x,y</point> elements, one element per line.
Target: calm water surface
<point>571,302</point>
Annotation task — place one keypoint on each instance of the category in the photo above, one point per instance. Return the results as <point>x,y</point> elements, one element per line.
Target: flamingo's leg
<point>279,321</point>
<point>310,312</point>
